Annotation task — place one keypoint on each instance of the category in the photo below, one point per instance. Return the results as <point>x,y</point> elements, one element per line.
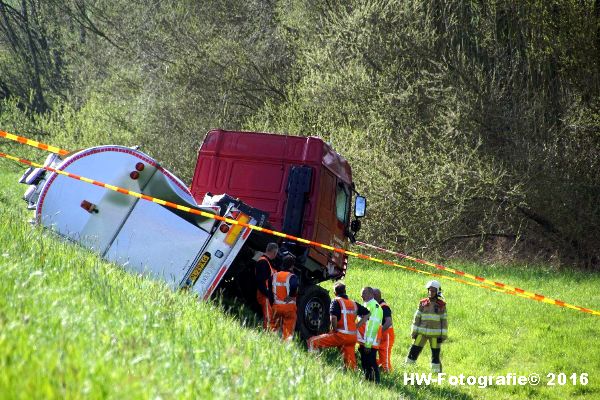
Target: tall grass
<point>492,333</point>
<point>74,326</point>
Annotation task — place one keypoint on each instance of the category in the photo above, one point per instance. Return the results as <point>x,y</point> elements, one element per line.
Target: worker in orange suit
<point>264,273</point>
<point>387,339</point>
<point>342,314</point>
<point>285,289</point>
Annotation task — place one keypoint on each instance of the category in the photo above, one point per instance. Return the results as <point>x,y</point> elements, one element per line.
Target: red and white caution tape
<point>501,286</point>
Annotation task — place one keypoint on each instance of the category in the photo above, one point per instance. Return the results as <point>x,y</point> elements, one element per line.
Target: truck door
<point>332,219</point>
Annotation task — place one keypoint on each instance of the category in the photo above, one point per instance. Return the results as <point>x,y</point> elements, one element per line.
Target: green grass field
<point>74,326</point>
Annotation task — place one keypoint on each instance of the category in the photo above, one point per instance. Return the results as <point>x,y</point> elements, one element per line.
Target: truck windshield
<point>342,203</point>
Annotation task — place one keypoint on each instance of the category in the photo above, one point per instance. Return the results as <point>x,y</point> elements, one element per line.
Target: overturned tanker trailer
<point>185,250</point>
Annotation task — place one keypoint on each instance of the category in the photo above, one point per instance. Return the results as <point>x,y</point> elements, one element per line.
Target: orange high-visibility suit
<point>387,340</point>
<point>285,286</point>
<point>264,271</point>
<point>344,335</point>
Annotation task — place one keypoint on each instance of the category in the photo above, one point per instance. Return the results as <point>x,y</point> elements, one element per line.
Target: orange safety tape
<point>502,286</point>
<point>505,289</point>
<point>231,221</point>
<point>33,143</point>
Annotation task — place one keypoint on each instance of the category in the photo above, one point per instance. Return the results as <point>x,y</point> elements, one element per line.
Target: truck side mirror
<point>360,206</point>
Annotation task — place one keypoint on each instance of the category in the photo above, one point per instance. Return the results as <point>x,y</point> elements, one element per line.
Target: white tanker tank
<point>185,250</point>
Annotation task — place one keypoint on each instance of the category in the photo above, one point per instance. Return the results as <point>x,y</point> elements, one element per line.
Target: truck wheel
<point>313,312</point>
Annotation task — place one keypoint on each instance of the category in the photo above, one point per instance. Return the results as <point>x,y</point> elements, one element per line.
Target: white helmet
<point>434,284</point>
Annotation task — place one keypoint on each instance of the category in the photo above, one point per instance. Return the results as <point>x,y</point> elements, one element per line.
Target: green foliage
<point>470,126</point>
<point>183,69</point>
<point>396,117</point>
<point>97,122</point>
<point>448,111</point>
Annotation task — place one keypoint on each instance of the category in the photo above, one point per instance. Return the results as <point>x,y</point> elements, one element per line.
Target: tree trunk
<point>39,102</point>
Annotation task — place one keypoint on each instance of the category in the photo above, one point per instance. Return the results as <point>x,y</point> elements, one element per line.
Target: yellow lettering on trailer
<point>199,268</point>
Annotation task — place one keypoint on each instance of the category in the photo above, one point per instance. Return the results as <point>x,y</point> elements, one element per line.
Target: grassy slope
<point>493,333</point>
<point>72,326</point>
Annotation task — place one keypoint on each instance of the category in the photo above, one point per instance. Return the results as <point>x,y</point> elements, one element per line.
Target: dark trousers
<point>420,342</point>
<point>368,362</point>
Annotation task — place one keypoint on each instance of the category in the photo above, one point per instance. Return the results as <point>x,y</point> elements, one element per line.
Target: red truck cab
<point>301,182</point>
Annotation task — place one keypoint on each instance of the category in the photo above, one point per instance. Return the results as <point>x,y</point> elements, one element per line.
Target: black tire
<point>313,312</point>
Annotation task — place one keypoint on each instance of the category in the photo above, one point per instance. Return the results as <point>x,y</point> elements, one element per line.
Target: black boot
<point>413,354</point>
<point>436,364</point>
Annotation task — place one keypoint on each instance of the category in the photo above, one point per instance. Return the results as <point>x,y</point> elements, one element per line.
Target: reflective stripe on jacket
<point>431,319</point>
<point>374,322</point>
<point>360,336</point>
<point>347,323</point>
<point>281,287</point>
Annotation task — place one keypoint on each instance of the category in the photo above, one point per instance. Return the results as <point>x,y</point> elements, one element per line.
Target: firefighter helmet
<point>434,284</point>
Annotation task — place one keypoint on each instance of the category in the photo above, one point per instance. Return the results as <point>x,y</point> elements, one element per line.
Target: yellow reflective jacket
<point>431,319</point>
